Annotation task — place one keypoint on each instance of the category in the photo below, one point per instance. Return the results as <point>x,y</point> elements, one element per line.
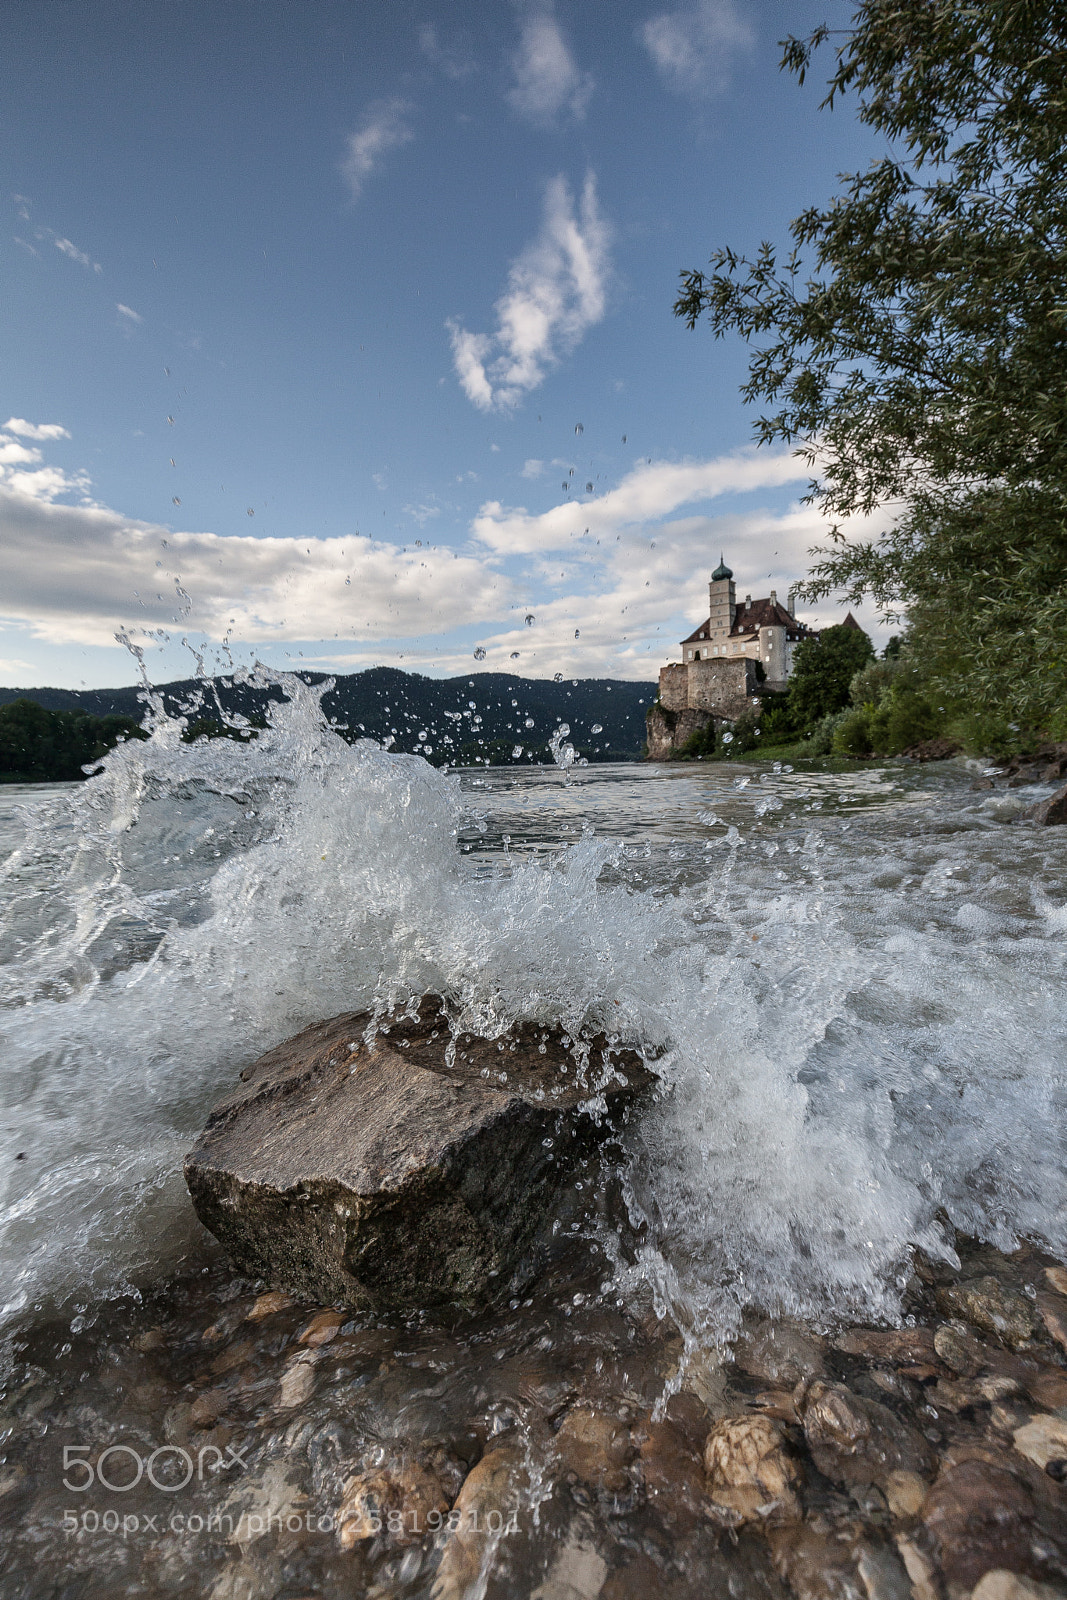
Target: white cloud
<point>69,573</point>
<point>127,312</point>
<point>694,48</point>
<point>647,494</point>
<point>34,430</point>
<point>532,468</point>
<point>557,289</point>
<point>384,127</point>
<point>71,250</point>
<point>14,454</point>
<point>455,61</point>
<point>547,82</point>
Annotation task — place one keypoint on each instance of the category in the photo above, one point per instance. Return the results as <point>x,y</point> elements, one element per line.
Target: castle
<point>739,654</point>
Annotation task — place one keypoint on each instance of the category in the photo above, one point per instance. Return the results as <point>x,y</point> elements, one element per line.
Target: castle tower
<point>723,601</point>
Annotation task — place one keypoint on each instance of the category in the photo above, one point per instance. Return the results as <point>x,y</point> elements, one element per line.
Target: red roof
<point>760,614</point>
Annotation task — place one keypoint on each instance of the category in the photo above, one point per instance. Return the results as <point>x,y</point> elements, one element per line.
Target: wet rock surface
<point>560,1447</point>
<point>395,1166</point>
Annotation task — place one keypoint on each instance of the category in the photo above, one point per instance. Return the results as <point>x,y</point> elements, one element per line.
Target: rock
<point>208,1407</point>
<point>150,1341</point>
<point>980,1518</point>
<point>673,1475</point>
<point>1050,812</point>
<point>982,783</point>
<point>839,1564</point>
<point>750,1470</point>
<point>321,1329</point>
<point>394,1501</point>
<point>904,1493</point>
<point>405,1172</point>
<point>1041,1440</point>
<point>934,750</point>
<point>1048,1388</point>
<point>267,1304</point>
<point>1057,1277</point>
<point>921,1572</point>
<point>1002,1585</point>
<point>855,1440</point>
<point>1053,1311</point>
<point>489,1502</point>
<point>901,1346</point>
<point>780,1354</point>
<point>987,1304</point>
<point>298,1381</point>
<point>595,1446</point>
<point>958,1348</point>
<point>578,1571</point>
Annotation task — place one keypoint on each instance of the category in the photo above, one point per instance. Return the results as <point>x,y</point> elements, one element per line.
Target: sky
<point>341,334</point>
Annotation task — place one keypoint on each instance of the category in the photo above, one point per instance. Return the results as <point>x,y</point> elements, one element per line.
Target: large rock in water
<point>400,1167</point>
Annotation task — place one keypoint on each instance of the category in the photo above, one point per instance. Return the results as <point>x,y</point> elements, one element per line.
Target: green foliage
<point>701,745</point>
<point>913,342</point>
<point>872,681</point>
<point>852,736</point>
<point>777,718</point>
<point>747,730</point>
<point>823,669</point>
<point>40,746</point>
<point>212,728</point>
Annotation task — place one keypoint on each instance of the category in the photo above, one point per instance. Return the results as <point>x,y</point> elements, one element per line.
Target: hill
<point>477,716</point>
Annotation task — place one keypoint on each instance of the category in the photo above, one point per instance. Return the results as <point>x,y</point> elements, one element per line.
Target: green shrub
<point>852,736</point>
<point>872,681</point>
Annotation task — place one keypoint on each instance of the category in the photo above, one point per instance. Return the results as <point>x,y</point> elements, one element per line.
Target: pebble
<point>904,1493</point>
<point>321,1329</point>
<point>855,1440</point>
<point>491,1491</point>
<point>394,1502</point>
<point>979,1517</point>
<point>1002,1585</point>
<point>987,1304</point>
<point>267,1304</point>
<point>595,1446</point>
<point>1041,1440</point>
<point>1053,1311</point>
<point>751,1471</point>
<point>1057,1277</point>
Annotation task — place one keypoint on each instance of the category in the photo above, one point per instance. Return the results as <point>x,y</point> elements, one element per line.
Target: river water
<point>854,985</point>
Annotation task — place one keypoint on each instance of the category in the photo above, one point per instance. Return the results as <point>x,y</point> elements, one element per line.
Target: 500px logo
<point>120,1467</point>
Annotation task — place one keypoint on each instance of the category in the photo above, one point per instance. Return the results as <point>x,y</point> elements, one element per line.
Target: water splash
<point>838,1067</point>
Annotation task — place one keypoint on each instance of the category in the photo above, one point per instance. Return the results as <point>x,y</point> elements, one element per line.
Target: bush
<point>820,741</point>
<point>747,734</point>
<point>852,736</point>
<point>871,682</point>
<point>777,718</point>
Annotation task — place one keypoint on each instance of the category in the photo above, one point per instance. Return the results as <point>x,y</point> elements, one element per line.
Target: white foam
<point>843,1060</point>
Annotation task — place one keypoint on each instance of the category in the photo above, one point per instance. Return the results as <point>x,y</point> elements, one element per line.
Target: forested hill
<point>403,705</point>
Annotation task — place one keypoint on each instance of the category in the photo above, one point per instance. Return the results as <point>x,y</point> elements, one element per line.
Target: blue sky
<point>311,312</point>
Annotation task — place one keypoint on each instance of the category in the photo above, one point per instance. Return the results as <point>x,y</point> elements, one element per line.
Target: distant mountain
<point>387,703</point>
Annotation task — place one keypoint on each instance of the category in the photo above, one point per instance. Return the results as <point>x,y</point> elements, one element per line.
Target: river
<point>854,984</point>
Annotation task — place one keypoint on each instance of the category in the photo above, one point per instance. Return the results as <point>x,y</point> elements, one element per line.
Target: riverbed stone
<point>1050,812</point>
<point>395,1167</point>
<point>987,1304</point>
<point>855,1441</point>
<point>980,1518</point>
<point>751,1470</point>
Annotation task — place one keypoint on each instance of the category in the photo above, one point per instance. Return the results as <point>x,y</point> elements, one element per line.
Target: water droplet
<point>596,728</point>
<point>530,619</point>
<point>727,738</point>
<point>578,428</point>
<point>624,438</point>
<point>479,652</point>
<point>564,729</point>
<point>514,655</point>
<point>529,722</point>
<point>589,488</point>
<point>175,499</point>
<point>557,677</point>
<point>516,752</point>
<point>348,582</point>
<point>171,421</point>
<point>250,512</point>
<point>577,633</point>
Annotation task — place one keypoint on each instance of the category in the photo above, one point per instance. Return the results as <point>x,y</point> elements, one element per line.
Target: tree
<point>913,342</point>
<point>38,745</point>
<point>823,670</point>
